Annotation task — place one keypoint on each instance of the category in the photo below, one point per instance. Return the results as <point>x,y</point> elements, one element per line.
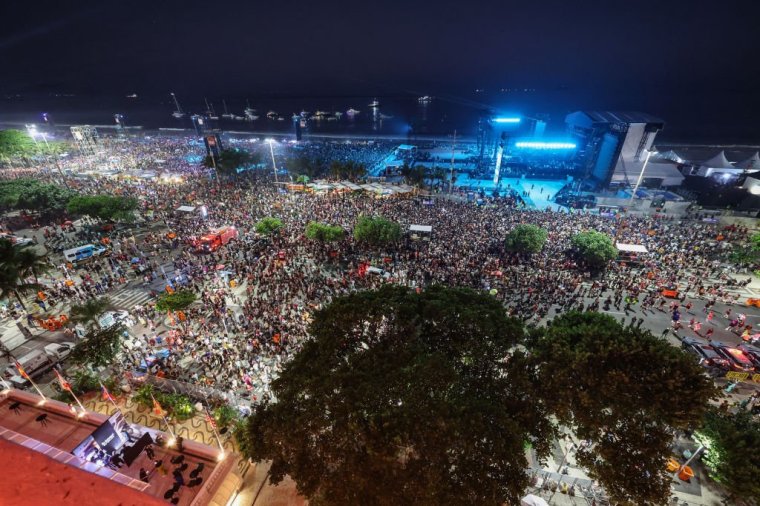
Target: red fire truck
<point>215,239</point>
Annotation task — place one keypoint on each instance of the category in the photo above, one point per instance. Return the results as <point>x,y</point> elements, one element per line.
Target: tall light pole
<point>641,176</point>
<point>274,164</point>
<point>32,131</point>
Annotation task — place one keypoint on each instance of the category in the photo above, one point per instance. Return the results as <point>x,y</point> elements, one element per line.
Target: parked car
<point>752,352</point>
<point>736,357</point>
<point>59,351</point>
<point>706,354</point>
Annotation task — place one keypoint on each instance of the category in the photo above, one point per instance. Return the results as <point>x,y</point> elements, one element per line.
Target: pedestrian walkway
<point>129,297</point>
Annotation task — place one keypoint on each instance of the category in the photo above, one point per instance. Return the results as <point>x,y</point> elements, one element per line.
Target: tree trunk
<point>18,297</point>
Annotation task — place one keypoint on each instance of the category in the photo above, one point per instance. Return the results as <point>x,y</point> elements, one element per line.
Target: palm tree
<point>31,262</point>
<point>23,258</point>
<point>13,283</point>
<point>89,312</point>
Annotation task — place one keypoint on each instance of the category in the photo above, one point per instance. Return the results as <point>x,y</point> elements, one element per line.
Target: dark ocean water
<point>726,119</point>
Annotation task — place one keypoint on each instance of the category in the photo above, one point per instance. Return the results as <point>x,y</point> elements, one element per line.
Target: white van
<point>83,253</point>
<point>35,363</point>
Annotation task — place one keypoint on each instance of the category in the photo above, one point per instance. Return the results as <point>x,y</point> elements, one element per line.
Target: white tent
<point>750,164</point>
<point>186,209</point>
<point>421,228</point>
<point>633,248</point>
<point>533,500</point>
<point>718,161</point>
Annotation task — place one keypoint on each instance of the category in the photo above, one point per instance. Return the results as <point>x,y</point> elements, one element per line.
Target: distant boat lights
<point>545,145</point>
<point>506,120</point>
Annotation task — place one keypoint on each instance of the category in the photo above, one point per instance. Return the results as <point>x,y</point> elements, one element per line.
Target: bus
<point>83,253</point>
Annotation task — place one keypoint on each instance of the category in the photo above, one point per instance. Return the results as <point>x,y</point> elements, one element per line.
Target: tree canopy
<point>376,231</point>
<point>526,238</point>
<point>323,232</point>
<point>32,195</point>
<point>732,451</point>
<point>89,312</point>
<point>268,225</point>
<point>403,398</point>
<point>624,391</point>
<point>347,170</point>
<point>99,347</point>
<point>18,262</point>
<point>595,248</point>
<point>104,207</point>
<point>16,144</point>
<point>176,301</point>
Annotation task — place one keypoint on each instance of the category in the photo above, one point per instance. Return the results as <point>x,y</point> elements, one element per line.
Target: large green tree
<point>268,225</point>
<point>17,263</point>
<point>404,398</point>
<point>595,248</point>
<point>350,170</point>
<point>625,392</point>
<point>98,348</point>
<point>732,452</point>
<point>15,144</point>
<point>104,207</point>
<point>526,238</point>
<point>376,231</point>
<point>32,195</point>
<point>176,301</point>
<point>90,311</point>
<point>323,232</point>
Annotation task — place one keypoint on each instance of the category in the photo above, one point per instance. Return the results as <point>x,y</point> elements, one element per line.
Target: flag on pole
<point>210,420</point>
<point>64,384</point>
<point>156,406</point>
<point>21,370</point>
<point>105,393</point>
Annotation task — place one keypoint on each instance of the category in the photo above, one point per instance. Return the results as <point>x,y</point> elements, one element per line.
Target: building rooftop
<point>43,436</point>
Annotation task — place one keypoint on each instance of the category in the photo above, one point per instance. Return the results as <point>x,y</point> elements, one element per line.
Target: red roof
<point>29,477</point>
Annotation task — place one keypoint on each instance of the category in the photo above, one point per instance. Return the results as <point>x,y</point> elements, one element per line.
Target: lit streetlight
<point>641,176</point>
<point>271,141</point>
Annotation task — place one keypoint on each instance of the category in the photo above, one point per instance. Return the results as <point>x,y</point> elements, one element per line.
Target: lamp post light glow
<point>274,164</point>
<point>641,176</point>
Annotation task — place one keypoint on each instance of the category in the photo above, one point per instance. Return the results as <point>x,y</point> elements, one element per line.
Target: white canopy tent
<point>421,228</point>
<point>631,248</point>
<point>718,161</point>
<point>185,209</point>
<point>751,164</point>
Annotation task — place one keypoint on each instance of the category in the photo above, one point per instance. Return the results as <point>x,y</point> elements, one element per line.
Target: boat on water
<point>178,113</point>
<point>319,114</point>
<point>210,113</point>
<point>304,114</point>
<point>272,115</point>
<point>385,116</point>
<point>425,99</point>
<point>352,112</point>
<point>332,118</point>
<point>133,95</point>
<point>338,114</point>
<point>227,113</point>
<point>249,112</point>
<point>374,103</point>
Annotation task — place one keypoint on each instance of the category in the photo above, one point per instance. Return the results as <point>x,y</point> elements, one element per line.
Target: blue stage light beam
<point>507,120</point>
<point>545,145</point>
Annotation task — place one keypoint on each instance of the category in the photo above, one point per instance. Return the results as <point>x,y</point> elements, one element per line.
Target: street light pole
<point>641,176</point>
<point>274,164</point>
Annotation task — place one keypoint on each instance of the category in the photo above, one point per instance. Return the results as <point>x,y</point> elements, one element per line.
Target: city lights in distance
<point>545,145</point>
<point>506,120</point>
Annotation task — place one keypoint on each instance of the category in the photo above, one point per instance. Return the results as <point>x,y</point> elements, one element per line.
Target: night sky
<point>692,62</point>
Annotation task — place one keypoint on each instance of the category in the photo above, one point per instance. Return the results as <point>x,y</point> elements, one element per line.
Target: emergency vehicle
<point>215,239</point>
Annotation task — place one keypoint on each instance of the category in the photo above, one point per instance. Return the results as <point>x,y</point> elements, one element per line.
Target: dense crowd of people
<point>257,294</point>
